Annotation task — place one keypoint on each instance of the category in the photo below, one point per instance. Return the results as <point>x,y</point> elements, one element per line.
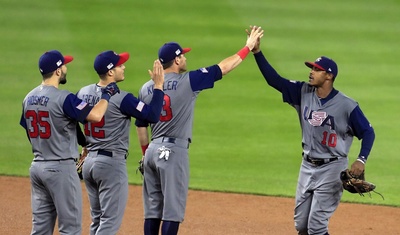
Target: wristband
<point>243,52</point>
<point>144,147</point>
<point>106,96</point>
<point>362,159</point>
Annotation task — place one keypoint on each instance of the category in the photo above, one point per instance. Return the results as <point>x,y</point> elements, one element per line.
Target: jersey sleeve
<point>362,129</point>
<point>22,121</point>
<point>204,78</point>
<point>291,90</point>
<point>141,123</point>
<point>134,107</point>
<point>76,108</point>
<point>80,136</point>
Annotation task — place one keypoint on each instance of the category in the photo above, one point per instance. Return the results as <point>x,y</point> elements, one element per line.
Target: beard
<point>63,78</point>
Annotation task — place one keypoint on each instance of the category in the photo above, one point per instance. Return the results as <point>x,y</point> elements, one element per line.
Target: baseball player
<point>166,161</point>
<point>104,170</point>
<point>329,120</point>
<point>50,116</point>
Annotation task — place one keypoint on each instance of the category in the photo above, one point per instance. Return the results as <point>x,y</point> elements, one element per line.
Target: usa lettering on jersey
<point>318,118</point>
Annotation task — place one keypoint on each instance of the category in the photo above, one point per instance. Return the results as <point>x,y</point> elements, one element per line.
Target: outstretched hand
<point>256,46</point>
<point>157,75</point>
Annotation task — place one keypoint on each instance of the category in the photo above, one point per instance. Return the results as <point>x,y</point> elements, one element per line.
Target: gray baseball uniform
<point>104,170</point>
<point>166,163</point>
<point>326,135</point>
<point>49,116</point>
<point>328,127</point>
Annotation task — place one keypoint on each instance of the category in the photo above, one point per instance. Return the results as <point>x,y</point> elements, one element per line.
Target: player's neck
<point>323,92</point>
<point>53,81</point>
<point>105,82</point>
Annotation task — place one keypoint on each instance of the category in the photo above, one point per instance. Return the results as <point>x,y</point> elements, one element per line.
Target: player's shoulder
<point>123,93</point>
<point>346,99</point>
<point>90,87</point>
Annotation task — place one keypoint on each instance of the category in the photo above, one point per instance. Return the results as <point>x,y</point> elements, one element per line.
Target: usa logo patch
<point>317,118</point>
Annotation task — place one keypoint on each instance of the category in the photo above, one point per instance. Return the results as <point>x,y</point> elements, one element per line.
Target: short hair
<point>168,64</point>
<point>47,75</point>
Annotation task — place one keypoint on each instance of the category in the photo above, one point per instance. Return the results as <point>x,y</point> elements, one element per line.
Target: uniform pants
<point>318,194</point>
<point>56,191</point>
<point>106,181</point>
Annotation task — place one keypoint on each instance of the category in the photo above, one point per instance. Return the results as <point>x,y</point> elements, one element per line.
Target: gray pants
<point>56,191</point>
<point>166,182</point>
<point>106,181</point>
<point>318,194</point>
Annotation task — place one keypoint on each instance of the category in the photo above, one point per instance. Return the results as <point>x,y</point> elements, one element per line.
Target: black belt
<point>320,161</point>
<point>54,160</point>
<point>179,142</point>
<point>107,153</point>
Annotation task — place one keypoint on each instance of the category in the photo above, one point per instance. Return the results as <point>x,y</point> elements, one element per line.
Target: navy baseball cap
<point>170,50</point>
<point>52,60</point>
<point>108,60</point>
<point>324,63</point>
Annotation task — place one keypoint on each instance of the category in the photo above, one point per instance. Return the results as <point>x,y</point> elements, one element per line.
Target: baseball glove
<point>79,165</point>
<point>358,184</point>
<point>141,167</point>
<point>80,161</point>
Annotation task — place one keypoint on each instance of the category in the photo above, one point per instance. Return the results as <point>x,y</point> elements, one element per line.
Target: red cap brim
<point>123,57</point>
<point>311,65</point>
<point>186,50</point>
<point>68,59</point>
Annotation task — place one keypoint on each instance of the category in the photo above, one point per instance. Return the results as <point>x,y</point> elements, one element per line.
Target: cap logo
<point>59,63</point>
<point>109,66</point>
<point>318,59</point>
<point>178,52</point>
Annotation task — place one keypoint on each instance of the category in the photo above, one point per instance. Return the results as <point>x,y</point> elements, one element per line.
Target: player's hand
<point>253,38</point>
<point>157,75</point>
<point>357,168</point>
<point>111,89</point>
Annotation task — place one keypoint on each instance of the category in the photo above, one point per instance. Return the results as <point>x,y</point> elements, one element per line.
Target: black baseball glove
<point>141,166</point>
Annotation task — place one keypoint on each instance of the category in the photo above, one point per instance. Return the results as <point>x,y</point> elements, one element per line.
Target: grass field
<point>245,139</point>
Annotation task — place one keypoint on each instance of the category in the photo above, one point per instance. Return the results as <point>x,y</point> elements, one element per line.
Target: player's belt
<point>178,142</point>
<point>53,160</point>
<point>320,161</point>
<point>108,153</point>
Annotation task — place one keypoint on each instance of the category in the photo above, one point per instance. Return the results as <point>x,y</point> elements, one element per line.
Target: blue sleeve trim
<point>76,109</point>
<point>204,78</point>
<point>362,130</point>
<point>291,90</point>
<point>149,113</point>
<point>271,76</point>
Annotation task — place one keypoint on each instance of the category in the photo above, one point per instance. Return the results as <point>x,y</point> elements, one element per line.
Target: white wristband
<point>361,161</point>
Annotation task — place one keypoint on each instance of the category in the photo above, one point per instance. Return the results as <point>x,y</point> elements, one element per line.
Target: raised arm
<point>228,64</point>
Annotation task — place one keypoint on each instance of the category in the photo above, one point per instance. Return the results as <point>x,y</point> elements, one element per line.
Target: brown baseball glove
<point>357,184</point>
<point>80,161</point>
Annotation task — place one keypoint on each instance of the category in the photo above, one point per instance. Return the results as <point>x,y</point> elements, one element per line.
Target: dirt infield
<point>209,213</point>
